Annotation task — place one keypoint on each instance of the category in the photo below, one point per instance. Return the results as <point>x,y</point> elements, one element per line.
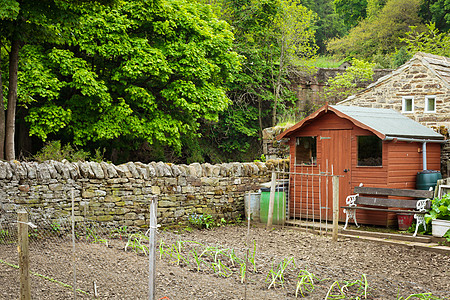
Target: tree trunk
<point>12,100</point>
<point>2,113</point>
<point>260,118</point>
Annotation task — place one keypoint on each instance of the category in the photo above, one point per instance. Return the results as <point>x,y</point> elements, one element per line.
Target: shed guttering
<point>412,140</point>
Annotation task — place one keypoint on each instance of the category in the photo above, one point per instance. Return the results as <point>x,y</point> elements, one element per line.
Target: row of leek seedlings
<point>213,258</point>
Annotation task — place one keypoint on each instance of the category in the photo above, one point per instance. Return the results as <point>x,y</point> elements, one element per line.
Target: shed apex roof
<point>388,122</point>
<point>438,65</point>
<point>382,122</point>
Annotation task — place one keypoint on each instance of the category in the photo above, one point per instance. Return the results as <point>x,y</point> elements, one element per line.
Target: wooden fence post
<point>335,207</point>
<point>271,201</point>
<point>24,259</point>
<point>151,249</point>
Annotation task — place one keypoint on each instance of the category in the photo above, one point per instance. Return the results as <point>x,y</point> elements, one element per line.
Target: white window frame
<point>404,98</point>
<point>427,110</point>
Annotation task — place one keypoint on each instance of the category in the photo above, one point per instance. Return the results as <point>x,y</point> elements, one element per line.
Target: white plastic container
<point>439,227</point>
<point>253,199</point>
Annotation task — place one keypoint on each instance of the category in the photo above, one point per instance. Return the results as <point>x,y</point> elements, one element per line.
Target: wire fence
<point>80,256</point>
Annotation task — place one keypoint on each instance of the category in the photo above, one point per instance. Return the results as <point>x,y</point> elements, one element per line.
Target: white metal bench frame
<point>351,213</point>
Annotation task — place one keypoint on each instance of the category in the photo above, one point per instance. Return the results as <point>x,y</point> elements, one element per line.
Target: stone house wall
<point>120,195</point>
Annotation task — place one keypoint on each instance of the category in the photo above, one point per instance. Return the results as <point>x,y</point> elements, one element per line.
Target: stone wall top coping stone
<point>45,171</point>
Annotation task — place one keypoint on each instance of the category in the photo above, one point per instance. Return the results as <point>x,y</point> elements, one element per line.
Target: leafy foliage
<point>351,11</point>
<point>145,71</point>
<point>438,12</point>
<point>430,41</point>
<point>204,221</point>
<point>440,208</point>
<point>346,84</point>
<point>380,34</point>
<point>55,151</point>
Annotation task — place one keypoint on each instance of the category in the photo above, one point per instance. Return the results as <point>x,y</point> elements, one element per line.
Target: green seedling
<point>305,284</point>
<point>339,290</point>
<point>119,233</point>
<point>6,237</point>
<point>197,259</point>
<point>136,242</point>
<point>161,249</point>
<point>277,275</point>
<point>177,249</point>
<point>91,234</point>
<point>242,271</point>
<point>426,296</point>
<point>56,227</point>
<point>251,258</point>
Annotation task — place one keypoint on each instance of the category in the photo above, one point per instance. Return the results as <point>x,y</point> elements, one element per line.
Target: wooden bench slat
<point>389,202</point>
<point>384,209</point>
<point>393,192</point>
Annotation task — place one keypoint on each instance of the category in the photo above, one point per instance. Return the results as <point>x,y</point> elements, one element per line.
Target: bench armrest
<point>422,204</point>
<point>350,200</point>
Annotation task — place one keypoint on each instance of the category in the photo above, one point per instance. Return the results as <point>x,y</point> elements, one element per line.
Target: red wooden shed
<point>376,147</point>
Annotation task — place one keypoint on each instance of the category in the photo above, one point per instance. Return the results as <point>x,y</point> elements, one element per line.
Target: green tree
<point>21,23</point>
<point>437,12</point>
<point>146,71</point>
<point>295,40</point>
<point>351,11</point>
<point>272,41</point>
<point>346,84</point>
<point>328,24</point>
<point>379,35</point>
<point>430,41</point>
<point>374,7</point>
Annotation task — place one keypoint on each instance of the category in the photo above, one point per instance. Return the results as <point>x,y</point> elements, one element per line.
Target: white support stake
<point>271,201</point>
<point>335,207</point>
<point>151,249</point>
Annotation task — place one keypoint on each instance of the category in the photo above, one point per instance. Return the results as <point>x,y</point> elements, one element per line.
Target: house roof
<point>438,65</point>
<point>385,123</point>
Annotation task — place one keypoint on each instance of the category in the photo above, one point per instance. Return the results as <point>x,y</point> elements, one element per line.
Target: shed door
<point>336,151</point>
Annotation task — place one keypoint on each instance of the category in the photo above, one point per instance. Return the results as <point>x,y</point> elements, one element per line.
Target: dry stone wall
<point>120,194</point>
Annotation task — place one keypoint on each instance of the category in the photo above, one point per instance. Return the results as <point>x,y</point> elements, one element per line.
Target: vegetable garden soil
<point>391,272</point>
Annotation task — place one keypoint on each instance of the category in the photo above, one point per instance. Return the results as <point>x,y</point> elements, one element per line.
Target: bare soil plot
<point>391,272</point>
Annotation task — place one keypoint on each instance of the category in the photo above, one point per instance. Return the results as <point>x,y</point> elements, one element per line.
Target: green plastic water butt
<point>427,178</point>
<point>279,206</point>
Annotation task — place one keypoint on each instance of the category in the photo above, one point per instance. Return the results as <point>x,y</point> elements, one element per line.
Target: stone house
<point>419,89</point>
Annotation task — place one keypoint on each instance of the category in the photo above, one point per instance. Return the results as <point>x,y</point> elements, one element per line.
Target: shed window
<point>369,151</point>
<point>430,104</point>
<point>305,150</point>
<point>408,104</point>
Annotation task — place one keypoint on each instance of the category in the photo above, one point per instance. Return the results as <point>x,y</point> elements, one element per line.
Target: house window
<point>408,104</point>
<point>306,150</point>
<point>430,104</point>
<point>370,151</point>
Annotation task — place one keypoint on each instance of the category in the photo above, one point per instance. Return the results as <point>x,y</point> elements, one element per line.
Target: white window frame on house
<point>427,109</point>
<point>404,99</point>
